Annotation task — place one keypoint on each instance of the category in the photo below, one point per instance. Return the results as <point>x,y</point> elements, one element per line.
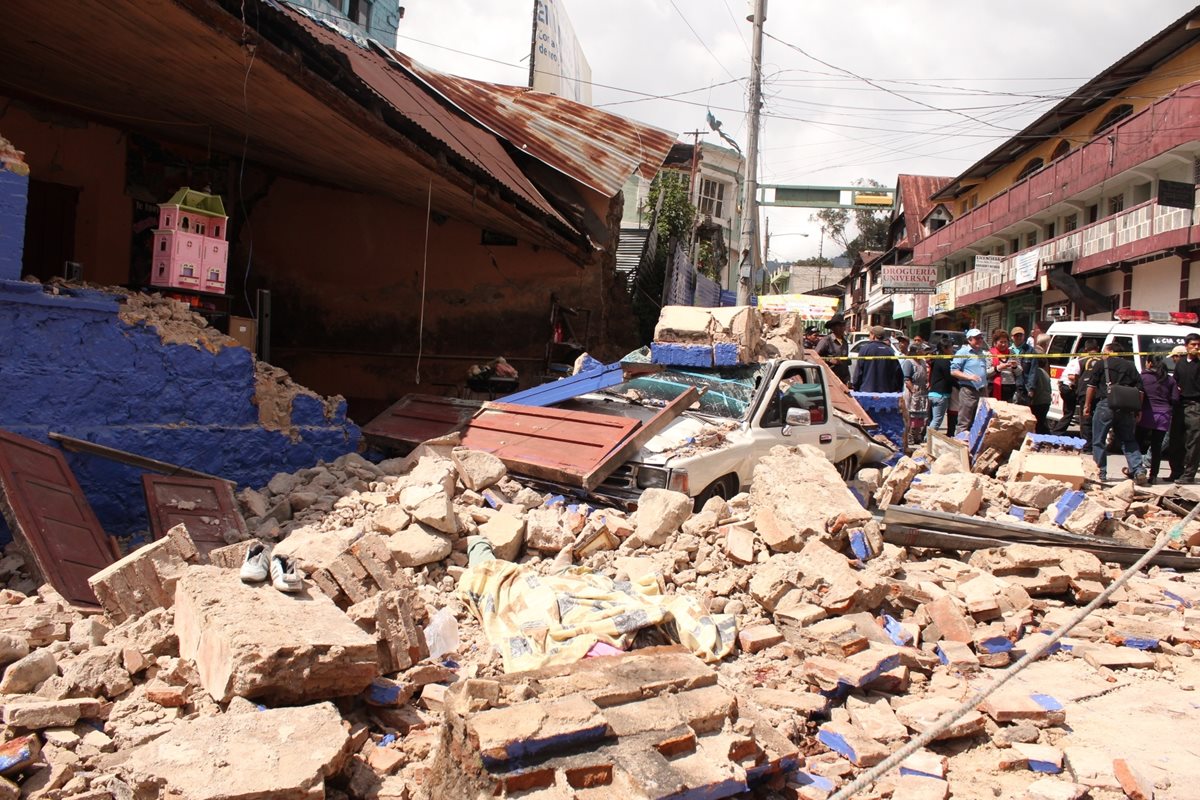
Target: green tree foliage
<point>673,217</point>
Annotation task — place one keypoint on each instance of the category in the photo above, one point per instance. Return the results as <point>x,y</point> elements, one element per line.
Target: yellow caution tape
<point>1004,356</point>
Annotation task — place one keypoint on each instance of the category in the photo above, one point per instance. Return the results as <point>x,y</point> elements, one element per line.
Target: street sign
<point>991,264</point>
<point>908,279</point>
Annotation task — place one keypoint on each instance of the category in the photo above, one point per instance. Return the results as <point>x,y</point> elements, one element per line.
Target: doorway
<point>49,229</point>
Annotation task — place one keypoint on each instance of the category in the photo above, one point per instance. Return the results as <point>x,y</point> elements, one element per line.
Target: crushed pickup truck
<point>613,431</point>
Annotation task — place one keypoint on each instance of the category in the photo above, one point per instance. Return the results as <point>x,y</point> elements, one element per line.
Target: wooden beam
<point>638,438</point>
<point>132,459</point>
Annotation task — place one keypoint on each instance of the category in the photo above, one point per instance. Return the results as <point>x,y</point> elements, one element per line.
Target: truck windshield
<point>728,391</point>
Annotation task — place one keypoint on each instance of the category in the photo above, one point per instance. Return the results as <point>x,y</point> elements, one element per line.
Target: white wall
<point>1156,285</point>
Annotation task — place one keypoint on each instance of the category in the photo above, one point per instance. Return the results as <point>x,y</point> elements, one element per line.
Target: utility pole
<point>762,284</point>
<point>749,238</point>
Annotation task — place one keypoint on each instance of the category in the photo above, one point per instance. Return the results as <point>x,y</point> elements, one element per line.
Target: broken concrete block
<point>282,753</point>
<point>99,671</point>
<point>253,641</point>
<point>1015,705</point>
<point>952,494</point>
<point>739,544</point>
<point>660,513</point>
<point>391,519</point>
<point>19,754</point>
<point>922,714</point>
<point>919,787</point>
<point>418,545</point>
<point>1037,492</point>
<point>685,324</point>
<point>36,714</point>
<point>806,703</point>
<point>25,674</point>
<point>144,579</point>
<point>545,532</point>
<point>1040,757</point>
<point>1054,789</point>
<point>1104,655</point>
<point>950,620</point>
<point>1135,784</point>
<point>476,469</point>
<point>12,648</point>
<point>388,616</point>
<point>897,481</point>
<point>759,637</point>
<point>1007,428</point>
<point>506,533</point>
<point>432,505</point>
<point>958,656</point>
<point>852,744</point>
<point>875,717</point>
<point>807,498</point>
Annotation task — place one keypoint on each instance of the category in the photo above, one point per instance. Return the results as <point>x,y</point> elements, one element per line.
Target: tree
<point>870,227</point>
<point>673,216</point>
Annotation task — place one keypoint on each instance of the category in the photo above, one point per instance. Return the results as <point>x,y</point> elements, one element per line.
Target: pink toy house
<point>190,251</point>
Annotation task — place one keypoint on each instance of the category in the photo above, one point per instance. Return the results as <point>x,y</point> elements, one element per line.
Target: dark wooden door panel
<point>205,505</point>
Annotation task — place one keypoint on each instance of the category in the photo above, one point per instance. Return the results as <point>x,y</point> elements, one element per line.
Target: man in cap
<point>1175,434</point>
<point>834,350</point>
<point>811,337</point>
<point>969,368</point>
<point>878,370</point>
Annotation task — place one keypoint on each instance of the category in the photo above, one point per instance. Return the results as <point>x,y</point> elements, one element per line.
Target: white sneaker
<point>254,568</point>
<point>284,576</point>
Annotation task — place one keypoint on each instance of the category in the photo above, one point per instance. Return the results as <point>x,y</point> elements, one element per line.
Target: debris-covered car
<point>743,411</point>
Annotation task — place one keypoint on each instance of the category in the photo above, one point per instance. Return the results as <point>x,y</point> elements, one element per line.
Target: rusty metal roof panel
<point>596,148</point>
<point>392,85</point>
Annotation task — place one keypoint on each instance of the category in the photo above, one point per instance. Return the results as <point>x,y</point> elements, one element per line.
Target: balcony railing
<point>1128,227</point>
<point>1164,125</point>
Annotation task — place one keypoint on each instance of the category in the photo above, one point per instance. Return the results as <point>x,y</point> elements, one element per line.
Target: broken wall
<point>75,364</point>
<point>346,270</point>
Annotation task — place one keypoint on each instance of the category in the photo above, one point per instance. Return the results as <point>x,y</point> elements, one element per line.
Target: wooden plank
<point>637,439</point>
<point>206,507</point>
<point>46,509</point>
<point>132,459</point>
<point>417,418</point>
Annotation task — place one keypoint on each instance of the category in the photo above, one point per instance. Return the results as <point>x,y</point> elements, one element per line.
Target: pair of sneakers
<point>260,564</point>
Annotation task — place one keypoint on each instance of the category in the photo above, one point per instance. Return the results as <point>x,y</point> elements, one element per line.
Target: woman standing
<point>1160,393</point>
<point>940,386</point>
<point>1005,367</point>
<point>916,392</point>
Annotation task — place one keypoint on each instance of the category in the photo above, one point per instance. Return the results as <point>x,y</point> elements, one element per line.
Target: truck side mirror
<point>798,416</point>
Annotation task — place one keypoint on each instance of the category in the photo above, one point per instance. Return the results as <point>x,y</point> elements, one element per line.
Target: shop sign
<point>908,279</point>
<point>990,265</point>
<point>1027,267</point>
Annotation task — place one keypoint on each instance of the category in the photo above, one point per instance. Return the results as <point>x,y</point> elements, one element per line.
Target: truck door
<point>797,387</point>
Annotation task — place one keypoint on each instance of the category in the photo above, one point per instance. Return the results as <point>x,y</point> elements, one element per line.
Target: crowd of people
<point>1153,415</point>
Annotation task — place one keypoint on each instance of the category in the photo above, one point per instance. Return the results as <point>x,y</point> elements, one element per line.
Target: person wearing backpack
<point>1114,402</point>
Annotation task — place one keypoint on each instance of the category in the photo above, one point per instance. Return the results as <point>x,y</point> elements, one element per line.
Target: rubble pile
<point>409,666</point>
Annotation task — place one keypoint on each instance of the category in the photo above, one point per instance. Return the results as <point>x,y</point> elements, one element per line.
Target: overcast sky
<point>986,68</point>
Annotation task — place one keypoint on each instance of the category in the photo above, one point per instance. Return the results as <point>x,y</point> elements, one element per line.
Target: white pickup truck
<point>744,411</point>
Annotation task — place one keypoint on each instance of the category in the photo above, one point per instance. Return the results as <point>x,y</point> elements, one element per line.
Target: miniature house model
<point>190,251</point>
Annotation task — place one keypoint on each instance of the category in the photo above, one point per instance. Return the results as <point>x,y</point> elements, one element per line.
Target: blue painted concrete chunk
<point>681,355</point>
<point>858,544</point>
<point>548,394</point>
<point>1072,442</point>
<point>838,744</point>
<point>1066,505</point>
<point>1047,702</point>
<point>818,782</point>
<point>1047,767</point>
<point>725,354</point>
<point>995,644</point>
<point>1139,643</point>
<point>897,634</point>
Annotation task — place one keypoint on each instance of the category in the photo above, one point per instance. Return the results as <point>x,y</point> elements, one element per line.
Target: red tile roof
<point>916,192</point>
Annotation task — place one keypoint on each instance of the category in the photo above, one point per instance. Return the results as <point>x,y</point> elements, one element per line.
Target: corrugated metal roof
<point>596,148</point>
<point>916,192</point>
<point>392,85</point>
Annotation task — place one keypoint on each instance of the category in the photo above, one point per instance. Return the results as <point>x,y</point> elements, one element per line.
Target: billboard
<point>908,279</point>
<point>556,61</point>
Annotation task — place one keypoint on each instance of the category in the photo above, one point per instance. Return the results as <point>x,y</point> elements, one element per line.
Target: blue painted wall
<point>68,364</point>
<point>884,408</point>
<point>14,195</point>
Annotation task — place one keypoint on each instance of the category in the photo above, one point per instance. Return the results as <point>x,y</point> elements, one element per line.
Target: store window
<point>712,198</point>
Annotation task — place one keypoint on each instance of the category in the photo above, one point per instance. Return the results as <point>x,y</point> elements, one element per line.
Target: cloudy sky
<point>853,88</point>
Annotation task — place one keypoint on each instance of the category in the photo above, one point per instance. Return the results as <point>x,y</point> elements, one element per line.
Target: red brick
<point>759,637</point>
<point>950,620</point>
<point>1135,785</point>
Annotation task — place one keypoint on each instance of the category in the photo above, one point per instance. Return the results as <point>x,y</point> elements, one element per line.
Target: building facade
<point>1092,207</point>
<point>373,19</point>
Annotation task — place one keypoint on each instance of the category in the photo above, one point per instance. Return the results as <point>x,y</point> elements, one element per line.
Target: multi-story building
<point>1089,208</point>
<point>913,218</point>
<point>373,19</point>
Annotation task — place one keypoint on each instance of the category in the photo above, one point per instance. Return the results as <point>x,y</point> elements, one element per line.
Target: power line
<point>700,40</point>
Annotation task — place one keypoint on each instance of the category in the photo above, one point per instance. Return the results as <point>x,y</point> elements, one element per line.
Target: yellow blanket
<point>535,620</point>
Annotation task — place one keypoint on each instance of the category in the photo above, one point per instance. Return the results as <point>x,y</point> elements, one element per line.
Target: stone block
<point>388,616</point>
<point>805,703</point>
<point>952,494</point>
<point>476,469</point>
<point>37,714</point>
<point>922,714</point>
<point>1054,789</point>
<point>1015,705</point>
<point>506,533</point>
<point>545,531</point>
<point>1040,757</point>
<point>874,716</point>
<point>418,545</point>
<point>1135,784</point>
<point>958,656</point>
<point>807,497</point>
<point>918,787</point>
<point>20,753</point>
<point>660,514</point>
<point>144,579</point>
<point>522,731</point>
<point>253,641</point>
<point>950,620</point>
<point>685,324</point>
<point>739,544</point>
<point>897,481</point>
<point>282,753</point>
<point>852,744</point>
<point>23,675</point>
<point>759,637</point>
<point>1036,491</point>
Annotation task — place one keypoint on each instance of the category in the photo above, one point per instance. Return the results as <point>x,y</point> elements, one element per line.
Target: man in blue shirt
<point>878,370</point>
<point>969,368</point>
<point>1022,346</point>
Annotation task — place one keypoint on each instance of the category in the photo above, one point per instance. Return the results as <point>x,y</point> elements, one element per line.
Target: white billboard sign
<point>1027,267</point>
<point>990,264</point>
<point>908,279</point>
<point>556,62</point>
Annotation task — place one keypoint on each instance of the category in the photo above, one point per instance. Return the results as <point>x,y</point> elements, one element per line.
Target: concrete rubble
<point>192,684</point>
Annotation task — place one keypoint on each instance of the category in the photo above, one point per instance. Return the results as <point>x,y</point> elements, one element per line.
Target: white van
<point>1133,331</point>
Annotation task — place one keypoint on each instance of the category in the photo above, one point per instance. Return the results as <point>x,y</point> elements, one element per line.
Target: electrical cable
<point>700,40</point>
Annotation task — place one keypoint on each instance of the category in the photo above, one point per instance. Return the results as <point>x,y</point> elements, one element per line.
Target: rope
<point>950,717</point>
<point>424,274</point>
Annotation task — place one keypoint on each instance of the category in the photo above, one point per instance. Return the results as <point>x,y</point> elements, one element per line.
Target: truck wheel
<point>847,467</point>
<point>724,488</point>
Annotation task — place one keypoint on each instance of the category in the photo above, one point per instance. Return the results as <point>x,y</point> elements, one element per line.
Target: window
<point>800,387</point>
<point>217,231</point>
<point>1114,115</point>
<point>1093,213</point>
<point>168,222</point>
<point>712,198</point>
<point>1060,150</point>
<point>184,223</point>
<point>1031,239</point>
<point>1032,166</point>
<point>1070,223</point>
<point>974,201</point>
<point>162,246</point>
<point>1014,246</point>
<point>1061,345</point>
<point>1050,230</point>
<point>1116,204</point>
<point>359,11</point>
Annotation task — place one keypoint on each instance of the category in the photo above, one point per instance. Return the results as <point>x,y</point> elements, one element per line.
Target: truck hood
<point>680,432</point>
